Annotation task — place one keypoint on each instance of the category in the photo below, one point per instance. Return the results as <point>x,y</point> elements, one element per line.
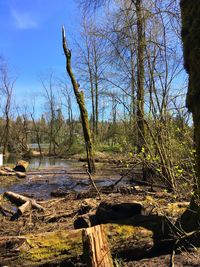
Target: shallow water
<point>40,184</point>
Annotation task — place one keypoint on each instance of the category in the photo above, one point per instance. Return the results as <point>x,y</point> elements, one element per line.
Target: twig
<point>93,184</point>
<point>123,176</point>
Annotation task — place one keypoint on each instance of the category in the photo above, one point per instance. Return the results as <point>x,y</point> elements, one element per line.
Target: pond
<point>49,174</point>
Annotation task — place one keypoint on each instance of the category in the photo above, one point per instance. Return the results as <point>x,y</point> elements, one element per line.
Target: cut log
<point>21,166</point>
<point>96,250</point>
<point>25,207</point>
<point>21,210</point>
<point>19,200</point>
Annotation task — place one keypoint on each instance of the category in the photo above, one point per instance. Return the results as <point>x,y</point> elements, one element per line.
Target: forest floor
<point>67,193</point>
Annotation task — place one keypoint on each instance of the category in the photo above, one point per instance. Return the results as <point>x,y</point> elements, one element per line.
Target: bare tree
<point>37,131</point>
<point>51,102</point>
<point>6,87</point>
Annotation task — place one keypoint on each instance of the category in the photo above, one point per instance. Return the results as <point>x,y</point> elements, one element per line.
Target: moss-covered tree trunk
<point>190,11</point>
<point>83,111</point>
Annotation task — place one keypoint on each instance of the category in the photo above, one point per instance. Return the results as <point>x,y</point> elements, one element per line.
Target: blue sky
<point>30,33</point>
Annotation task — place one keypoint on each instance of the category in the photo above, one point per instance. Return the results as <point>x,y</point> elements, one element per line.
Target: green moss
<point>59,244</point>
<point>119,233</point>
<point>176,209</point>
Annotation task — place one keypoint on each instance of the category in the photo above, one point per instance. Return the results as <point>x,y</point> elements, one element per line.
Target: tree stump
<point>21,166</point>
<point>95,247</point>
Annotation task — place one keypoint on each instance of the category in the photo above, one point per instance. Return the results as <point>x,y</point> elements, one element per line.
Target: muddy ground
<point>65,193</point>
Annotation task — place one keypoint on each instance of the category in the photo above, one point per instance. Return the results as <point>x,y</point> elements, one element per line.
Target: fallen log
<point>8,169</point>
<point>3,173</point>
<point>108,212</point>
<point>19,200</point>
<point>62,246</point>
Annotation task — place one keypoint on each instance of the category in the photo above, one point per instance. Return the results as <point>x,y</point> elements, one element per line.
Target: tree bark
<point>190,11</point>
<point>81,102</point>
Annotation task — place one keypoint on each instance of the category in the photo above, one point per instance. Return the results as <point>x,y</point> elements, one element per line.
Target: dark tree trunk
<point>190,11</point>
<point>191,44</point>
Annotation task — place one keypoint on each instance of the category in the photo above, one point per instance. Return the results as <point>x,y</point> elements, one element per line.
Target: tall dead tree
<point>81,103</point>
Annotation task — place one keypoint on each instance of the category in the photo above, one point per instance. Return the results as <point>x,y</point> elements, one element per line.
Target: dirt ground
<point>61,211</point>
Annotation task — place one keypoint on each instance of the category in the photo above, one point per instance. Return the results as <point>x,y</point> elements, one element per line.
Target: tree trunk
<point>96,82</point>
<point>140,76</point>
<point>6,136</point>
<point>190,12</point>
<point>80,100</point>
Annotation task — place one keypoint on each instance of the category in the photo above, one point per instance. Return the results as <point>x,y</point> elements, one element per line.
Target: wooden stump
<point>21,166</point>
<point>25,207</point>
<point>95,247</point>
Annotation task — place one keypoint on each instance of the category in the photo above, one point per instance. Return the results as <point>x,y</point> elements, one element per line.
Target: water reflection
<point>47,162</point>
<point>39,162</point>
